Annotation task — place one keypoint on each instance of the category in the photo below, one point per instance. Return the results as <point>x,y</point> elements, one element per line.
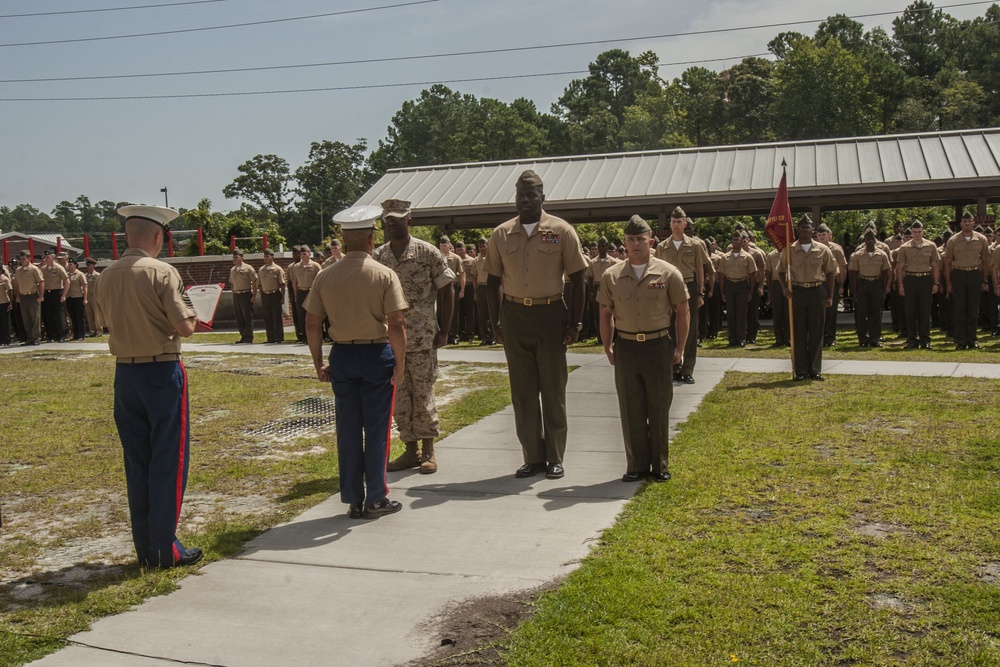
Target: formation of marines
<point>531,287</point>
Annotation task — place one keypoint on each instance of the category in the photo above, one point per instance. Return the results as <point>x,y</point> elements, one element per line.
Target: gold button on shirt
<point>646,304</point>
<point>532,267</point>
<point>356,294</point>
<point>809,267</point>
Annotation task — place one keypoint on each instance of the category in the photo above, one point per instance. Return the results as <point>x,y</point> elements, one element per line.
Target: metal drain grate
<point>308,416</point>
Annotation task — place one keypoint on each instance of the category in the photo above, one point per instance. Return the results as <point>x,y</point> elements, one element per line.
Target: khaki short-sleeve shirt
<point>995,256</point>
<point>469,266</point>
<point>532,267</point>
<point>454,263</point>
<point>27,279</point>
<point>481,274</point>
<point>242,278</point>
<point>965,253</point>
<point>302,275</point>
<point>140,299</point>
<point>917,259</point>
<point>809,267</point>
<point>647,304</point>
<point>5,289</point>
<point>869,266</point>
<point>687,257</point>
<point>597,268</point>
<point>54,276</point>
<point>77,281</point>
<point>356,294</point>
<point>271,277</point>
<point>838,255</point>
<point>737,267</point>
<point>771,263</point>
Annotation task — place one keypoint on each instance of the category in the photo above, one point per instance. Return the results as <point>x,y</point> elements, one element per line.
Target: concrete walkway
<point>326,590</point>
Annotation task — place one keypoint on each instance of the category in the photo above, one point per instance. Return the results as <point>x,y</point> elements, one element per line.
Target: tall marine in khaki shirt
<point>644,299</point>
<point>966,277</point>
<point>813,274</point>
<point>29,284</point>
<point>690,257</point>
<point>526,259</point>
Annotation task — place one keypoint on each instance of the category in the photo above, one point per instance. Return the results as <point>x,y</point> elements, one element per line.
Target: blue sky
<point>127,150</point>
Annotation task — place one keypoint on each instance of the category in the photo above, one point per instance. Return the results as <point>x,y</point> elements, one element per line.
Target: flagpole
<point>788,281</point>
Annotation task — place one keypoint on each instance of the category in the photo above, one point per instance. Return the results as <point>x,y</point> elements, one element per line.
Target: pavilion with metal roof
<point>957,169</point>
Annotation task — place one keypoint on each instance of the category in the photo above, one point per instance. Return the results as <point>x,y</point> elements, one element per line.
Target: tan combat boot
<point>428,463</point>
<point>408,459</point>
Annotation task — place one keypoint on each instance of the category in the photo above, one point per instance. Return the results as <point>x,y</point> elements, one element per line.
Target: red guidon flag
<point>779,221</point>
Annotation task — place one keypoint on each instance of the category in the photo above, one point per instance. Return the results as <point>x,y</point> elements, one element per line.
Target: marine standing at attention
<point>426,281</point>
<point>526,258</point>
<point>144,305</point>
<point>639,298</point>
<point>364,303</point>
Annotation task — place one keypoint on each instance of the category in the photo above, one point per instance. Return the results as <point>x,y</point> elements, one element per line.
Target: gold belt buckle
<point>526,302</point>
<point>641,337</point>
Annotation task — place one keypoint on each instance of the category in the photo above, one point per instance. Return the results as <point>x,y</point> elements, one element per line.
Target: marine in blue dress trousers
<point>142,302</point>
<point>364,302</point>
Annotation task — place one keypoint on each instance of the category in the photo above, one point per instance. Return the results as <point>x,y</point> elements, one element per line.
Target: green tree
<point>595,107</point>
<point>702,92</point>
<point>919,32</point>
<point>329,181</point>
<point>749,96</point>
<point>266,182</point>
<point>822,91</point>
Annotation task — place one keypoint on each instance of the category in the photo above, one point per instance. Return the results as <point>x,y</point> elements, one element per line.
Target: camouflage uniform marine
<point>422,272</point>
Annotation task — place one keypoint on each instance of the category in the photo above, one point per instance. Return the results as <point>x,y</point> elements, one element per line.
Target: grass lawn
<point>263,450</point>
<point>860,528</point>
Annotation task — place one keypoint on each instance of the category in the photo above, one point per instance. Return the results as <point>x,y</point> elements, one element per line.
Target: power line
<point>446,54</point>
<point>330,64</point>
<point>108,9</point>
<point>285,92</point>
<point>221,27</point>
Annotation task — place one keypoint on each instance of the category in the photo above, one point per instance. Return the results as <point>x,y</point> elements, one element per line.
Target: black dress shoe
<point>190,557</point>
<point>799,377</point>
<point>381,508</point>
<point>817,376</point>
<point>973,346</point>
<point>633,477</point>
<point>239,342</point>
<point>925,346</point>
<point>876,345</point>
<point>554,471</point>
<point>910,346</point>
<point>660,476</point>
<point>529,470</point>
<point>687,379</point>
<point>357,511</point>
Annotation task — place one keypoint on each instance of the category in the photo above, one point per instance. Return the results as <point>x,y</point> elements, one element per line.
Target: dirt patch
<point>990,573</point>
<point>876,529</point>
<point>901,427</point>
<point>886,602</point>
<point>475,632</point>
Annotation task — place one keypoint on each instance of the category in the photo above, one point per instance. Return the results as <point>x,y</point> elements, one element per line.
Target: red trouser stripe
<point>388,438</point>
<point>182,449</point>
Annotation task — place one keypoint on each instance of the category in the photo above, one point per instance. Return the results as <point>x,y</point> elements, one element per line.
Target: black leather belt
<point>148,360</point>
<point>643,336</point>
<point>528,301</point>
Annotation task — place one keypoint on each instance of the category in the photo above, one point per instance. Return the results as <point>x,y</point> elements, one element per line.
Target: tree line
<point>931,72</point>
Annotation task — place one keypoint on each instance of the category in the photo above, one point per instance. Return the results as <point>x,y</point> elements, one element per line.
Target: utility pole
<point>166,202</point>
